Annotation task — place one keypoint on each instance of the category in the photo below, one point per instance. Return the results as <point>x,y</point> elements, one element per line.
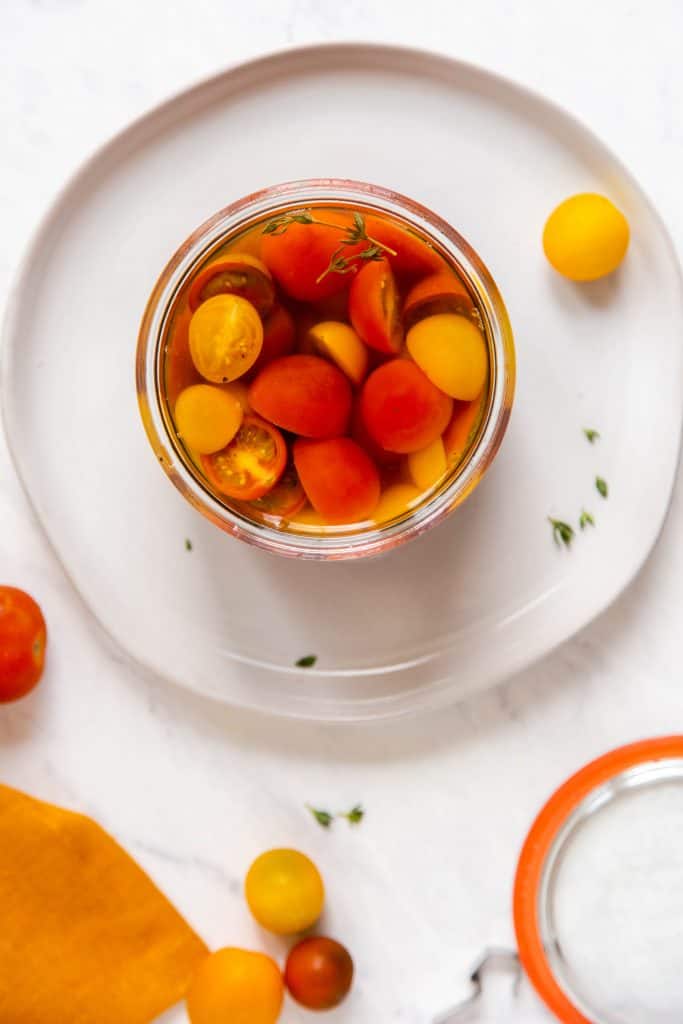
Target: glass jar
<point>333,542</point>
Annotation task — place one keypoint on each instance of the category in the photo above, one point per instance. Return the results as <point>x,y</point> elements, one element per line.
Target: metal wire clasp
<point>491,959</point>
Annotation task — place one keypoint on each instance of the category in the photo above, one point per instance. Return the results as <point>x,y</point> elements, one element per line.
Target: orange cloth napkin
<point>85,936</point>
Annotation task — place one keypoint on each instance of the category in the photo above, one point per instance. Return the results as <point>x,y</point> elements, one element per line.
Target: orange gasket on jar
<point>538,845</point>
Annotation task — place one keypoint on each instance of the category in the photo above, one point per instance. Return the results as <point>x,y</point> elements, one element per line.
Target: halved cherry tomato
<point>279,337</point>
<point>339,478</point>
<point>285,499</point>
<point>301,254</point>
<point>319,973</point>
<point>374,307</point>
<point>402,410</point>
<point>23,637</point>
<point>303,394</point>
<point>236,274</point>
<point>340,344</point>
<point>251,464</point>
<point>362,436</point>
<point>180,369</point>
<point>226,337</point>
<point>396,500</point>
<point>438,293</point>
<point>207,417</point>
<point>414,257</point>
<point>452,352</point>
<point>429,465</point>
<point>459,431</point>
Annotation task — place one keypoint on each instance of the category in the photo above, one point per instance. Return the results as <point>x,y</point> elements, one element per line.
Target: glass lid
<point>599,891</point>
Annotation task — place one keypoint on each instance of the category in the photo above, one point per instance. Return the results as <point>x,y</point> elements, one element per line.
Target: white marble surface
<point>194,791</point>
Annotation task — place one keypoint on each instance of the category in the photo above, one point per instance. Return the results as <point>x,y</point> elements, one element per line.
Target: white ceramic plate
<point>476,599</point>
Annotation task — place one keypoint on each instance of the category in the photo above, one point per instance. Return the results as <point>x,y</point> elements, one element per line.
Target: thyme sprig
<point>353,235</point>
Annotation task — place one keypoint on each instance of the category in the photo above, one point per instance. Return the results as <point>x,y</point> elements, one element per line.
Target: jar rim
<point>240,215</point>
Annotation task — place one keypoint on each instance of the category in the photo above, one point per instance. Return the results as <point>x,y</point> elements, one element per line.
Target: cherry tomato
<point>279,337</point>
<point>438,293</point>
<point>414,257</point>
<point>207,418</point>
<point>429,465</point>
<point>284,891</point>
<point>236,986</point>
<point>586,237</point>
<point>179,368</point>
<point>396,500</point>
<point>285,499</point>
<point>451,351</point>
<point>459,431</point>
<point>374,307</point>
<point>339,478</point>
<point>303,394</point>
<point>362,436</point>
<point>251,464</point>
<point>23,637</point>
<point>226,337</point>
<point>301,254</point>
<point>236,274</point>
<point>401,408</point>
<point>339,343</point>
<point>319,973</point>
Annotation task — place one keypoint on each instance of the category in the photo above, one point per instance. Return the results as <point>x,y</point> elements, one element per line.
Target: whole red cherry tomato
<point>23,637</point>
<point>319,973</point>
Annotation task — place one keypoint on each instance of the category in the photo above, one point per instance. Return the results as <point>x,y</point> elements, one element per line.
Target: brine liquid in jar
<point>325,370</point>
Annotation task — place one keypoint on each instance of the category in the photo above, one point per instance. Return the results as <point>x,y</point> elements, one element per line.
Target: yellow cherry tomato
<point>234,986</point>
<point>451,351</point>
<point>427,466</point>
<point>586,237</point>
<point>395,500</point>
<point>284,891</point>
<point>207,418</point>
<point>226,337</point>
<point>341,344</point>
<point>308,517</point>
<point>240,391</point>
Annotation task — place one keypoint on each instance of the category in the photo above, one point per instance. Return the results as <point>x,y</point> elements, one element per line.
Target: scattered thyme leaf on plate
<point>586,519</point>
<point>355,815</point>
<point>324,818</point>
<point>563,533</point>
<point>308,661</point>
<point>601,487</point>
<point>591,435</point>
<point>188,544</point>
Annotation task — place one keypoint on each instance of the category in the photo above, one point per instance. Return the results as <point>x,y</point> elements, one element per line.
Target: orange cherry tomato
<point>339,478</point>
<point>303,394</point>
<point>301,254</point>
<point>285,499</point>
<point>374,307</point>
<point>23,637</point>
<point>362,436</point>
<point>279,337</point>
<point>402,410</point>
<point>236,274</point>
<point>251,464</point>
<point>458,432</point>
<point>319,973</point>
<point>438,293</point>
<point>236,986</point>
<point>414,258</point>
<point>179,368</point>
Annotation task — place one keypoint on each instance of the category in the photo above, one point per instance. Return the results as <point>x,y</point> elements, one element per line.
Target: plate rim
<point>259,66</point>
